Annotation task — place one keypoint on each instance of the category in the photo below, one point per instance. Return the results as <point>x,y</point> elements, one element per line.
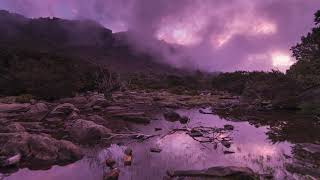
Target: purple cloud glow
<point>219,35</point>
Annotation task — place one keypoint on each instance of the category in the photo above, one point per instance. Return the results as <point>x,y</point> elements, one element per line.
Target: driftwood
<point>11,161</point>
<point>201,134</point>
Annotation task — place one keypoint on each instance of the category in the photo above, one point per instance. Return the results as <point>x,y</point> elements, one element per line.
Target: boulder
<point>38,108</point>
<point>228,127</point>
<point>173,116</point>
<point>155,150</point>
<point>42,149</point>
<point>97,119</point>
<point>15,127</point>
<point>112,175</point>
<point>14,108</point>
<point>63,110</point>
<point>78,101</point>
<point>84,131</point>
<point>97,100</point>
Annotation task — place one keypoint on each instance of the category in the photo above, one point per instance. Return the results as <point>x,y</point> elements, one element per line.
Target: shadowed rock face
<point>44,150</point>
<point>87,131</point>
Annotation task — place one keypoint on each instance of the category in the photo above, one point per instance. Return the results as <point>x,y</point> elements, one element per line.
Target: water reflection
<point>251,146</point>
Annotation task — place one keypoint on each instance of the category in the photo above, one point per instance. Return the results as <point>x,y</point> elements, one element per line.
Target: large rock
<point>78,101</point>
<point>42,149</point>
<point>38,108</point>
<point>14,108</point>
<point>173,116</point>
<point>63,110</point>
<point>227,173</point>
<point>14,128</point>
<point>84,131</point>
<point>97,100</point>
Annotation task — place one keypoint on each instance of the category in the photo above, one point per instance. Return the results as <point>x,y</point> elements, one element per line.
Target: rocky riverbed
<point>85,130</point>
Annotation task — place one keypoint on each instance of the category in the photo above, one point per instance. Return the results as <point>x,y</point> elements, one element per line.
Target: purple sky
<point>219,35</point>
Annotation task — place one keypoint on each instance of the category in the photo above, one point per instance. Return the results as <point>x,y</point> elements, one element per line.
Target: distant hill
<point>79,39</point>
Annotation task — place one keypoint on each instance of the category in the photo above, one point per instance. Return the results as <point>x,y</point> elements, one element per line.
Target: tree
<point>309,47</point>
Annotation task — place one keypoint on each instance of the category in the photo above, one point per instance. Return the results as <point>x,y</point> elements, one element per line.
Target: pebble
<point>155,150</point>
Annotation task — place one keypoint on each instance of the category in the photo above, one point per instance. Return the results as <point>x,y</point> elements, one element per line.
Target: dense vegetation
<point>43,74</point>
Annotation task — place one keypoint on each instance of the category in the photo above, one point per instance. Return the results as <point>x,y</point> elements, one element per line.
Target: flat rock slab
<point>230,172</point>
<point>11,108</point>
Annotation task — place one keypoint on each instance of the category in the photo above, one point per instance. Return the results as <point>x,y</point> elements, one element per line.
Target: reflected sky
<point>180,152</point>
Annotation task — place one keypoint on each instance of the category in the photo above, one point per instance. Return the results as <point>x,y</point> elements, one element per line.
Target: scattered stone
<point>228,152</point>
<point>226,143</point>
<point>84,131</point>
<point>110,162</point>
<point>229,127</point>
<point>171,116</point>
<point>195,133</point>
<point>230,172</point>
<point>127,160</point>
<point>184,120</point>
<point>155,150</point>
<point>112,175</point>
<point>203,112</point>
<point>128,152</point>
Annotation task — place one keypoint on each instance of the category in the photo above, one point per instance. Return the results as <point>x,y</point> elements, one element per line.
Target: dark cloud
<point>220,35</point>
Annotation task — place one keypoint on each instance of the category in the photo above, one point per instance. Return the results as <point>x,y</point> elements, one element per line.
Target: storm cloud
<point>211,35</point>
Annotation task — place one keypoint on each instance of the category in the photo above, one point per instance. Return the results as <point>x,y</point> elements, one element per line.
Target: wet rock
<point>228,152</point>
<point>310,148</point>
<point>171,116</point>
<point>128,152</point>
<point>112,175</point>
<point>37,112</point>
<point>226,143</point>
<point>303,170</point>
<point>155,150</point>
<point>14,108</point>
<point>228,173</point>
<point>229,127</point>
<point>127,160</point>
<point>203,112</point>
<point>97,100</point>
<point>84,131</point>
<point>195,133</point>
<point>38,108</point>
<point>42,149</point>
<point>110,162</point>
<point>63,110</point>
<point>184,120</point>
